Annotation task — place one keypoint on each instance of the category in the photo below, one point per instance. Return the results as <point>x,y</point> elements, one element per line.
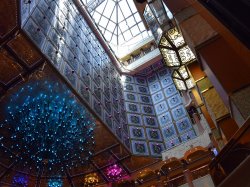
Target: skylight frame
<point>120,38</point>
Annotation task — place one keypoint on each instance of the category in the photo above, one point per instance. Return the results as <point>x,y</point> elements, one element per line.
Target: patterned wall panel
<point>172,143</point>
<point>157,97</point>
<point>134,119</point>
<point>175,100</point>
<point>140,147</point>
<point>153,134</point>
<point>170,90</point>
<point>165,119</point>
<point>179,112</point>
<point>150,121</point>
<point>154,87</point>
<point>183,125</point>
<point>61,33</point>
<point>137,132</point>
<point>161,107</point>
<point>142,89</point>
<point>169,132</point>
<point>156,148</point>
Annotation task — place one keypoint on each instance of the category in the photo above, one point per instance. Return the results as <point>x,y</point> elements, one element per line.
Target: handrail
<point>231,143</point>
<point>232,154</point>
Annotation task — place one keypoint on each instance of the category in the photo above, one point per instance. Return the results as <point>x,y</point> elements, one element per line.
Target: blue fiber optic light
<point>49,127</point>
<point>55,183</point>
<point>20,180</point>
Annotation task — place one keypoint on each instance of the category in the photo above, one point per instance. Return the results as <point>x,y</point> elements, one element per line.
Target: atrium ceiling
<point>119,22</point>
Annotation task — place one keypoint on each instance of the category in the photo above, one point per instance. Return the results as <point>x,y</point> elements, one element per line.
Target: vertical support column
<point>189,177</point>
<point>187,173</point>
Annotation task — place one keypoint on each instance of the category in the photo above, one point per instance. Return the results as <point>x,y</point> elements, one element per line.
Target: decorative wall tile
<point>157,97</point>
<point>70,75</point>
<point>169,132</point>
<point>139,147</point>
<point>35,33</point>
<point>114,92</point>
<point>174,101</point>
<point>108,120</point>
<point>125,127</point>
<point>97,92</point>
<point>141,81</point>
<point>142,89</point>
<point>137,132</point>
<point>183,125</point>
<point>187,136</point>
<point>170,90</point>
<point>53,55</point>
<point>132,107</point>
<point>118,131</point>
<point>156,148</point>
<point>153,134</point>
<point>85,77</point>
<point>165,119</point>
<point>117,116</point>
<point>97,78</point>
<point>84,92</point>
<point>147,109</point>
<point>131,97</point>
<point>178,112</point>
<point>129,87</point>
<point>129,79</point>
<point>115,104</point>
<point>172,143</point>
<point>150,121</point>
<point>166,81</point>
<point>124,115</point>
<point>107,105</point>
<point>86,65</point>
<point>161,107</point>
<point>154,87</point>
<point>126,141</point>
<point>145,99</point>
<point>152,79</point>
<point>106,92</point>
<point>134,119</point>
<point>97,107</point>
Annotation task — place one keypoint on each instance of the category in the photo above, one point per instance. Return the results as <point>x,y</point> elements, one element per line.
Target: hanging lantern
<point>91,179</point>
<point>182,79</point>
<point>158,18</point>
<point>174,50</point>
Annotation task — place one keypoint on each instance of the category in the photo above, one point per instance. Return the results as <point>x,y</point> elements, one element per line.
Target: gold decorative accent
<point>91,179</point>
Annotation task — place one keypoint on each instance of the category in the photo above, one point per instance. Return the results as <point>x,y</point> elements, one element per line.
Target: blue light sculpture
<point>55,183</point>
<point>49,127</point>
<point>20,180</point>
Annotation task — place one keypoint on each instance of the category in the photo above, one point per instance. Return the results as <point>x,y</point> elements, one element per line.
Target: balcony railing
<point>232,155</point>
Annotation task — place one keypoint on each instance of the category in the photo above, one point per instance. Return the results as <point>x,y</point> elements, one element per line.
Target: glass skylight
<point>119,22</point>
